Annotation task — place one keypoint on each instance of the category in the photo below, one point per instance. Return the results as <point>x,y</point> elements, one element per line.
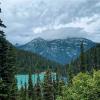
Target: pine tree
<point>11,59</point>
<point>3,58</point>
<point>55,86</point>
<point>38,95</point>
<point>23,93</point>
<point>70,74</point>
<point>60,89</point>
<point>82,58</point>
<point>48,86</point>
<point>95,59</point>
<point>6,67</point>
<point>56,82</point>
<point>22,97</point>
<point>30,85</point>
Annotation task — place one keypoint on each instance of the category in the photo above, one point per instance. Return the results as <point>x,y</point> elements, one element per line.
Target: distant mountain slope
<point>92,59</point>
<point>26,59</point>
<point>59,50</point>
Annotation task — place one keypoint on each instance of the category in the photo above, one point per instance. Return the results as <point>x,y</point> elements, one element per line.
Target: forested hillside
<point>89,59</point>
<point>25,60</point>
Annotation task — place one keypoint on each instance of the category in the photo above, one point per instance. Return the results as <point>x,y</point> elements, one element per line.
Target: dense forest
<point>90,59</point>
<point>80,80</point>
<point>25,59</point>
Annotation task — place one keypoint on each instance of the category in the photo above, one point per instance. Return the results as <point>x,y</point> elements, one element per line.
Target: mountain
<point>59,50</point>
<point>17,45</point>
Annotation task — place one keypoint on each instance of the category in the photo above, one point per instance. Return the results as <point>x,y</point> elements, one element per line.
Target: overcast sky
<point>49,19</point>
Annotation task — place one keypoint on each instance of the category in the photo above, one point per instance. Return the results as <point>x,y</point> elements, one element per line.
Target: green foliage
<point>48,86</point>
<point>30,85</point>
<point>84,87</point>
<point>82,58</point>
<point>91,60</point>
<point>7,68</point>
<point>38,94</point>
<point>70,74</point>
<point>24,59</point>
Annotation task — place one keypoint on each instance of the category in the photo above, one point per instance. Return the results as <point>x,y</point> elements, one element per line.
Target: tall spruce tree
<point>30,85</point>
<point>11,60</point>
<point>38,94</point>
<point>6,67</point>
<point>23,92</point>
<point>70,74</point>
<point>56,82</point>
<point>3,60</point>
<point>82,58</point>
<point>95,65</point>
<point>48,86</point>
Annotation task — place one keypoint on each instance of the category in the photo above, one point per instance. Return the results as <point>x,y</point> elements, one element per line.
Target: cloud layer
<point>49,19</point>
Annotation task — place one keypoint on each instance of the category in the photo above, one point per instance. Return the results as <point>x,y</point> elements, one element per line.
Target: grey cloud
<point>21,18</point>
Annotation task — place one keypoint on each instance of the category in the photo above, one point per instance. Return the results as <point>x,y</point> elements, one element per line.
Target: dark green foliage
<point>30,85</point>
<point>57,81</point>
<point>70,74</point>
<point>25,91</point>
<point>95,57</point>
<point>11,72</point>
<point>61,84</point>
<point>38,94</point>
<point>26,59</point>
<point>7,68</point>
<point>82,58</point>
<point>3,63</point>
<point>48,87</point>
<point>91,60</point>
<point>22,95</point>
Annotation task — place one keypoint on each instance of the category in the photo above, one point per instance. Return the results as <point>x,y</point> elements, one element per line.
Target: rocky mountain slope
<point>60,50</point>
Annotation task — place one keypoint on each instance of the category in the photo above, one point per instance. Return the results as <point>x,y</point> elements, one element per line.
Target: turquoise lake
<point>21,79</point>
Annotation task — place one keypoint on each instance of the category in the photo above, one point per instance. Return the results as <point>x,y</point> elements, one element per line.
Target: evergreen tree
<point>25,92</point>
<point>95,59</point>
<point>82,59</point>
<point>55,85</point>
<point>70,74</point>
<point>56,82</point>
<point>11,59</point>
<point>38,95</point>
<point>6,68</point>
<point>3,61</point>
<point>22,96</point>
<point>61,84</point>
<point>30,85</point>
<point>48,86</point>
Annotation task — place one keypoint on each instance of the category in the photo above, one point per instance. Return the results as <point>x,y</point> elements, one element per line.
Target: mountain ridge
<point>59,50</point>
